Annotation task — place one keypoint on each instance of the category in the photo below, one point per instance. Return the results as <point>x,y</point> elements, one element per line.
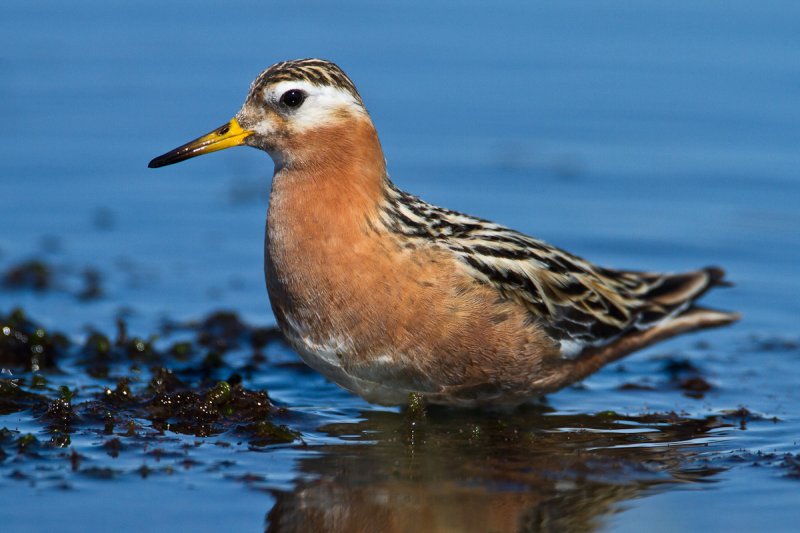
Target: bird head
<point>291,107</point>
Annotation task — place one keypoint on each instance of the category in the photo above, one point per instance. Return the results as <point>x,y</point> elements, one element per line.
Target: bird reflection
<point>458,471</point>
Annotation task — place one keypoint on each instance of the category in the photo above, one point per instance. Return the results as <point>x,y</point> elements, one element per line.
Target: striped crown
<point>315,71</point>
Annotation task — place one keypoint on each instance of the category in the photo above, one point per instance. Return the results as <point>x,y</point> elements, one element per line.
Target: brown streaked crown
<point>315,71</point>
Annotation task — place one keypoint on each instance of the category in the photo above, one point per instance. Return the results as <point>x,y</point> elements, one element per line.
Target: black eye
<point>293,98</point>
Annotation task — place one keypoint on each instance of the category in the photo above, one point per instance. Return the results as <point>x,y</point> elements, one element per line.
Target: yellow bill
<point>226,136</point>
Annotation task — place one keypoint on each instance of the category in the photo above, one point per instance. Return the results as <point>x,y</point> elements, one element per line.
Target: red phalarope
<point>388,295</point>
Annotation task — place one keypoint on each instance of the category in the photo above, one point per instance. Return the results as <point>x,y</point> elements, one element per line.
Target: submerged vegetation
<point>41,276</point>
<point>126,390</point>
<point>122,393</point>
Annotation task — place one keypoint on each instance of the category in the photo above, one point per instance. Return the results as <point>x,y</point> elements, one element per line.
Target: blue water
<point>640,135</point>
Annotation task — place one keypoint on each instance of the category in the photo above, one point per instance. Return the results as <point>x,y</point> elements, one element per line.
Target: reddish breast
<point>397,311</point>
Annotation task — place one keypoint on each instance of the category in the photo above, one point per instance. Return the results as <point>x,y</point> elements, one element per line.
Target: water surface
<point>645,136</point>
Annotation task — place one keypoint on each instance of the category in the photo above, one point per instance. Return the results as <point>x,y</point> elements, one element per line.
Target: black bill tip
<point>226,136</point>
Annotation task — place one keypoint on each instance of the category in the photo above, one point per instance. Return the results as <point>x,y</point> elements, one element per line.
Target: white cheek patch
<point>323,104</point>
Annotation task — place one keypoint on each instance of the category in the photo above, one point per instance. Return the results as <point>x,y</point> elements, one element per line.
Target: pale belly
<point>327,357</point>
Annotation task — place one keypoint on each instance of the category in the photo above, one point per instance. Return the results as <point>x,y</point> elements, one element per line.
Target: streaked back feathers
<point>579,304</point>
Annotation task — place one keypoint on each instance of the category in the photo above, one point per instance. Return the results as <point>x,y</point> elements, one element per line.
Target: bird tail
<point>673,296</point>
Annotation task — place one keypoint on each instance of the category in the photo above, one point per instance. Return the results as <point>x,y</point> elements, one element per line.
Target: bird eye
<point>293,98</point>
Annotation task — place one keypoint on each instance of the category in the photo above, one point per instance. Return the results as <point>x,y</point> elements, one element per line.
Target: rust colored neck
<point>326,200</point>
<point>340,167</point>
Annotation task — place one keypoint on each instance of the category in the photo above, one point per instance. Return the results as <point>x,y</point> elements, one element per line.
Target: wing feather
<point>579,304</point>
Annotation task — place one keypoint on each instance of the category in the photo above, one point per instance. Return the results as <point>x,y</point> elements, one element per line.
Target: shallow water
<point>644,137</point>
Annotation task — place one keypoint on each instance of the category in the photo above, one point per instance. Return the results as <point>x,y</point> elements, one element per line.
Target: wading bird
<point>387,295</point>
